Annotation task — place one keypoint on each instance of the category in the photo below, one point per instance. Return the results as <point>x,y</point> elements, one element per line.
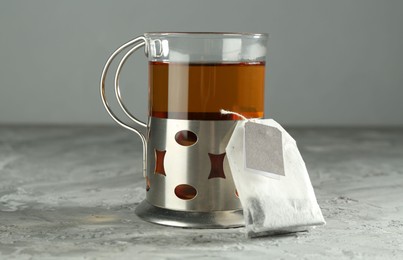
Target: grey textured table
<point>70,192</point>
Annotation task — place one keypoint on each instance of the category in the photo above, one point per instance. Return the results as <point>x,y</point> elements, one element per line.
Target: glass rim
<point>230,34</point>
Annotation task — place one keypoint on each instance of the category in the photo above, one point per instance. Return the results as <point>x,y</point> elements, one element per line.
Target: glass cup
<point>193,77</point>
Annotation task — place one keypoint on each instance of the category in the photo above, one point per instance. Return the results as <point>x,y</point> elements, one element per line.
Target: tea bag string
<point>227,112</point>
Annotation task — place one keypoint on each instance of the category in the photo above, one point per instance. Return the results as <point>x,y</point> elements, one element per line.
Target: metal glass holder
<point>188,180</point>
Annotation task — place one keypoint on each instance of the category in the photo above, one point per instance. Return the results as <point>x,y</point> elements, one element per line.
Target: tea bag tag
<point>263,150</point>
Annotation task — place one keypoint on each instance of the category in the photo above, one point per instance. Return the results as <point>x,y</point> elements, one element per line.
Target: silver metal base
<point>190,165</point>
<point>190,219</point>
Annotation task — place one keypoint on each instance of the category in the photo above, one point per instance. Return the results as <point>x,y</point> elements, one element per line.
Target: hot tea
<point>198,91</point>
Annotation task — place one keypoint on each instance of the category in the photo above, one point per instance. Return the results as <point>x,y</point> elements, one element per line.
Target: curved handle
<point>138,43</point>
<point>117,79</point>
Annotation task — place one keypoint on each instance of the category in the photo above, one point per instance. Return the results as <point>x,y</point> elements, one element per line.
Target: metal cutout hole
<point>186,138</point>
<point>185,192</point>
<point>148,185</point>
<point>217,165</point>
<point>159,162</point>
<point>236,193</point>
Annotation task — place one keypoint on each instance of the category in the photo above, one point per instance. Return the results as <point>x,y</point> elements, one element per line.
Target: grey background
<point>330,62</point>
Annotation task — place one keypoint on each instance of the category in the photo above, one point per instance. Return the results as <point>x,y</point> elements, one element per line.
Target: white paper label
<point>263,150</point>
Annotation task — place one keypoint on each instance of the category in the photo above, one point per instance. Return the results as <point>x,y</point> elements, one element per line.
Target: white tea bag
<point>271,179</point>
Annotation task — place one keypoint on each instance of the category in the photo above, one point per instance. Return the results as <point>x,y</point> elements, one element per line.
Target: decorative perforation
<point>186,138</point>
<point>159,162</point>
<point>217,166</point>
<point>148,184</point>
<point>185,192</point>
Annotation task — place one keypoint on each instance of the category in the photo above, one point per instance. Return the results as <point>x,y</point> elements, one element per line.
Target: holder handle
<point>135,44</point>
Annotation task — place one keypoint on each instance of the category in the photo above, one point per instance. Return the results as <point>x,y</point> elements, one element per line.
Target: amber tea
<point>198,91</point>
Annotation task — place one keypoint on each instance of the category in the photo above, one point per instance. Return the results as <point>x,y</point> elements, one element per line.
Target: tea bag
<point>271,179</point>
